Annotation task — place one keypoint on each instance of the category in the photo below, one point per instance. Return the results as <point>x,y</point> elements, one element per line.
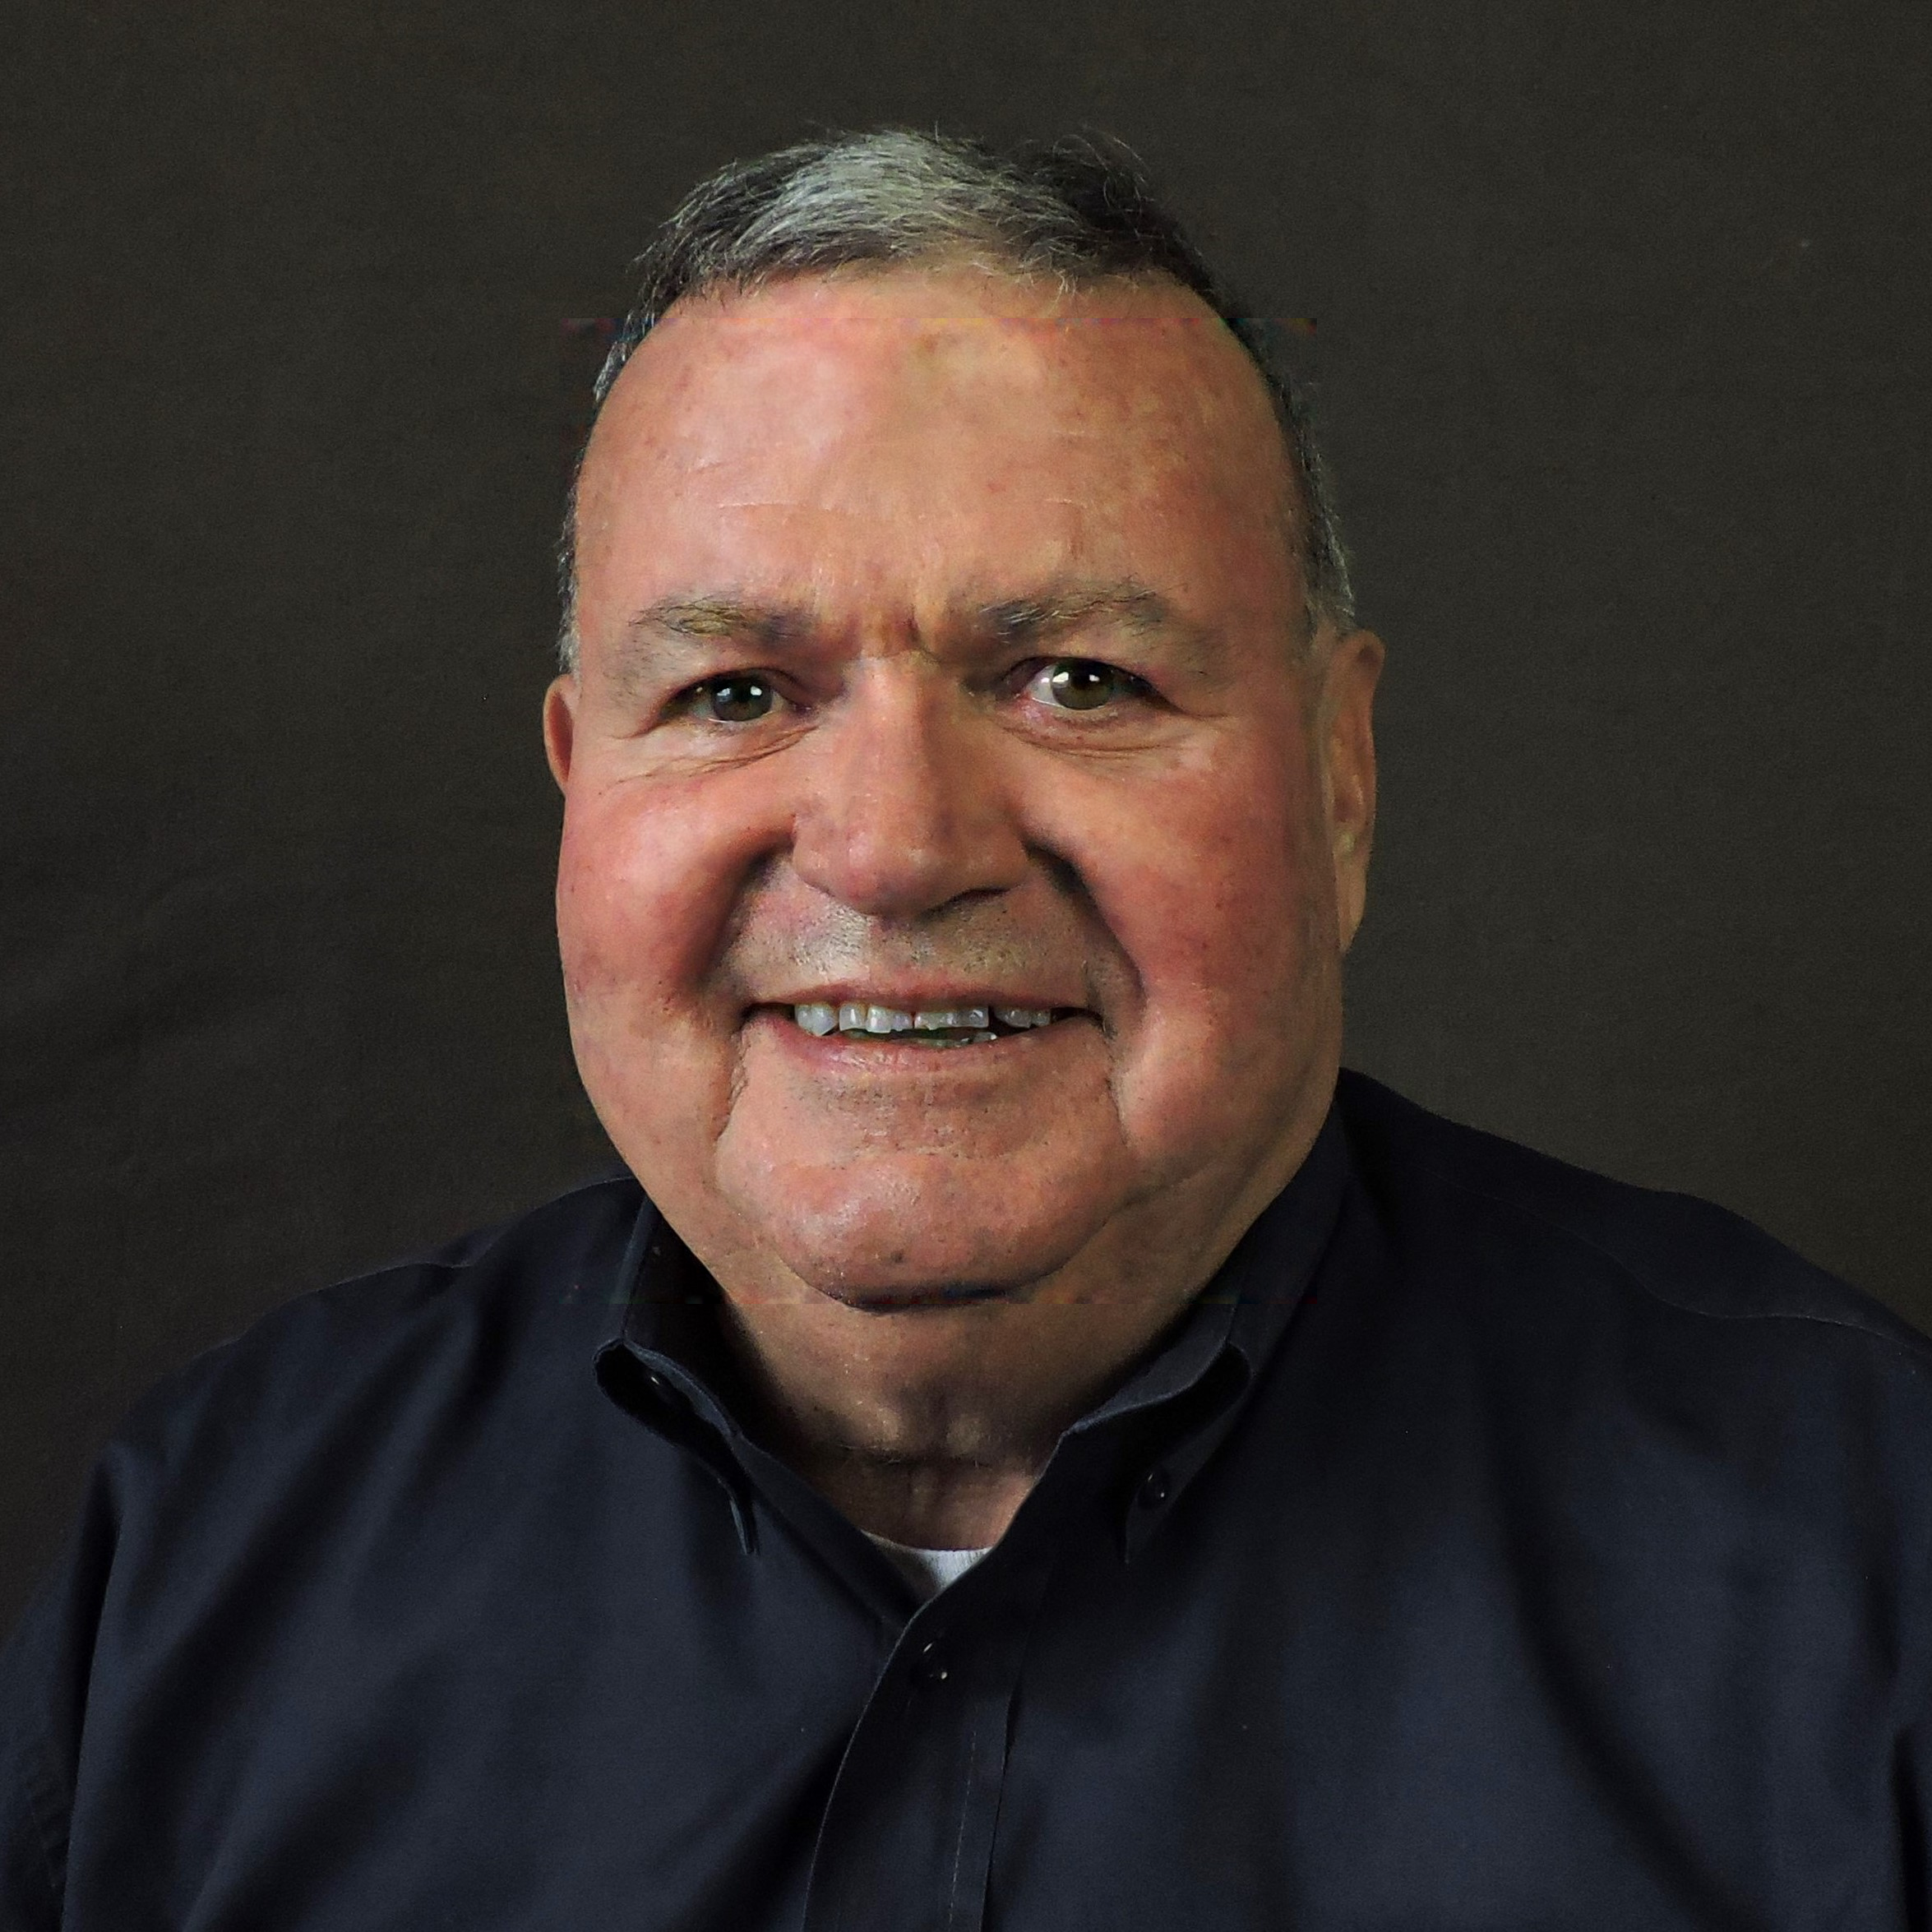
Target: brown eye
<point>1081,684</point>
<point>742,698</point>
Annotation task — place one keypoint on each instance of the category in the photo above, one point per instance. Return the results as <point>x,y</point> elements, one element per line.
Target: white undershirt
<point>929,1571</point>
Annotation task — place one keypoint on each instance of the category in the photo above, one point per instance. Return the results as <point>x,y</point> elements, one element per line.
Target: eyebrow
<point>652,635</point>
<point>709,620</point>
<point>1064,610</point>
<point>1036,619</point>
<point>1031,619</point>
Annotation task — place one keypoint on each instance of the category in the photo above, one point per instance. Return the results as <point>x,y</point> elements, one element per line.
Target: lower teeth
<point>977,1037</point>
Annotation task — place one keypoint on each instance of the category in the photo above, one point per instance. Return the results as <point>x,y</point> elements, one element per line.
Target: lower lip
<point>879,1052</point>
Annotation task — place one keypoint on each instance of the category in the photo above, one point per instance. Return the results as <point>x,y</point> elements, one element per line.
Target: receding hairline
<point>1078,211</point>
<point>722,298</point>
<point>724,295</point>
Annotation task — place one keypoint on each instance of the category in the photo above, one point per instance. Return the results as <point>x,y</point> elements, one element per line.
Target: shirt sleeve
<point>44,1669</point>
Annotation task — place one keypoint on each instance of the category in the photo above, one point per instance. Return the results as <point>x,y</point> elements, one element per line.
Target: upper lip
<point>927,996</point>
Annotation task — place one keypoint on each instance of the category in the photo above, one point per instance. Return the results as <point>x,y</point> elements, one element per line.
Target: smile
<point>951,1026</point>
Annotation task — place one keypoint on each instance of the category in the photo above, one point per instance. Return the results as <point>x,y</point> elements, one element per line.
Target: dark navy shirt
<point>1491,1546</point>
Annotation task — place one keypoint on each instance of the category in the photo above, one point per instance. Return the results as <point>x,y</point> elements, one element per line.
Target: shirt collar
<point>1246,1305</point>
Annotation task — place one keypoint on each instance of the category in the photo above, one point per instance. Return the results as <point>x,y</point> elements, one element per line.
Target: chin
<point>893,1235</point>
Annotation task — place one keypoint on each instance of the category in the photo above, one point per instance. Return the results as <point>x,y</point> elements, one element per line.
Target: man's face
<point>941,653</point>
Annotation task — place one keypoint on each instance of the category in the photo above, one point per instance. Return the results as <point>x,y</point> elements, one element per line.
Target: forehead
<point>864,431</point>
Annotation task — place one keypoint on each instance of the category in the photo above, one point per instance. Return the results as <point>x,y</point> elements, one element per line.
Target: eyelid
<point>1024,675</point>
<point>747,671</point>
<point>1015,682</point>
<point>682,703</point>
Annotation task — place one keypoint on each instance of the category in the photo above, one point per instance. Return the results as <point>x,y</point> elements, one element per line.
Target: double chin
<point>870,1224</point>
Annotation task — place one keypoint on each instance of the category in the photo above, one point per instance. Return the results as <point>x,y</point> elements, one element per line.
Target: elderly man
<point>1034,1446</point>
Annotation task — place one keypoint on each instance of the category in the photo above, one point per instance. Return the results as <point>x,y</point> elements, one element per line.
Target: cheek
<point>1214,889</point>
<point>645,886</point>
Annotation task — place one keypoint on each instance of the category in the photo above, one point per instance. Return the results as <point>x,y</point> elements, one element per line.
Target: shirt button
<point>930,1666</point>
<point>1154,1489</point>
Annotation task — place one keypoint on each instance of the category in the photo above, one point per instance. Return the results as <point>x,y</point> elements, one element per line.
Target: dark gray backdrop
<point>1620,353</point>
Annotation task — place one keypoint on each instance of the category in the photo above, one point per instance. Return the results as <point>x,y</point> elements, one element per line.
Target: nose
<point>902,809</point>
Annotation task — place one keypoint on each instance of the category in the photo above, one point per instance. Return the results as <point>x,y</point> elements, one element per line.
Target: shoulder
<point>458,1315</point>
<point>461,1357</point>
<point>1456,1194</point>
<point>247,1483</point>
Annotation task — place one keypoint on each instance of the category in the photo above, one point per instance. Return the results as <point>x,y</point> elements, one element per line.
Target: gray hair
<point>1078,209</point>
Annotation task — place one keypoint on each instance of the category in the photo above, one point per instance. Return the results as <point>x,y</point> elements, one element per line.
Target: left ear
<point>1351,669</point>
<point>560,726</point>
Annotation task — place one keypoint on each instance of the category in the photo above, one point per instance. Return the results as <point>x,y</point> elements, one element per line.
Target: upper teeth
<point>854,1016</point>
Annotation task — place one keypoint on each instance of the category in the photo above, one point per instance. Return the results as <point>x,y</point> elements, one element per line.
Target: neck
<point>931,1505</point>
<point>929,1426</point>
